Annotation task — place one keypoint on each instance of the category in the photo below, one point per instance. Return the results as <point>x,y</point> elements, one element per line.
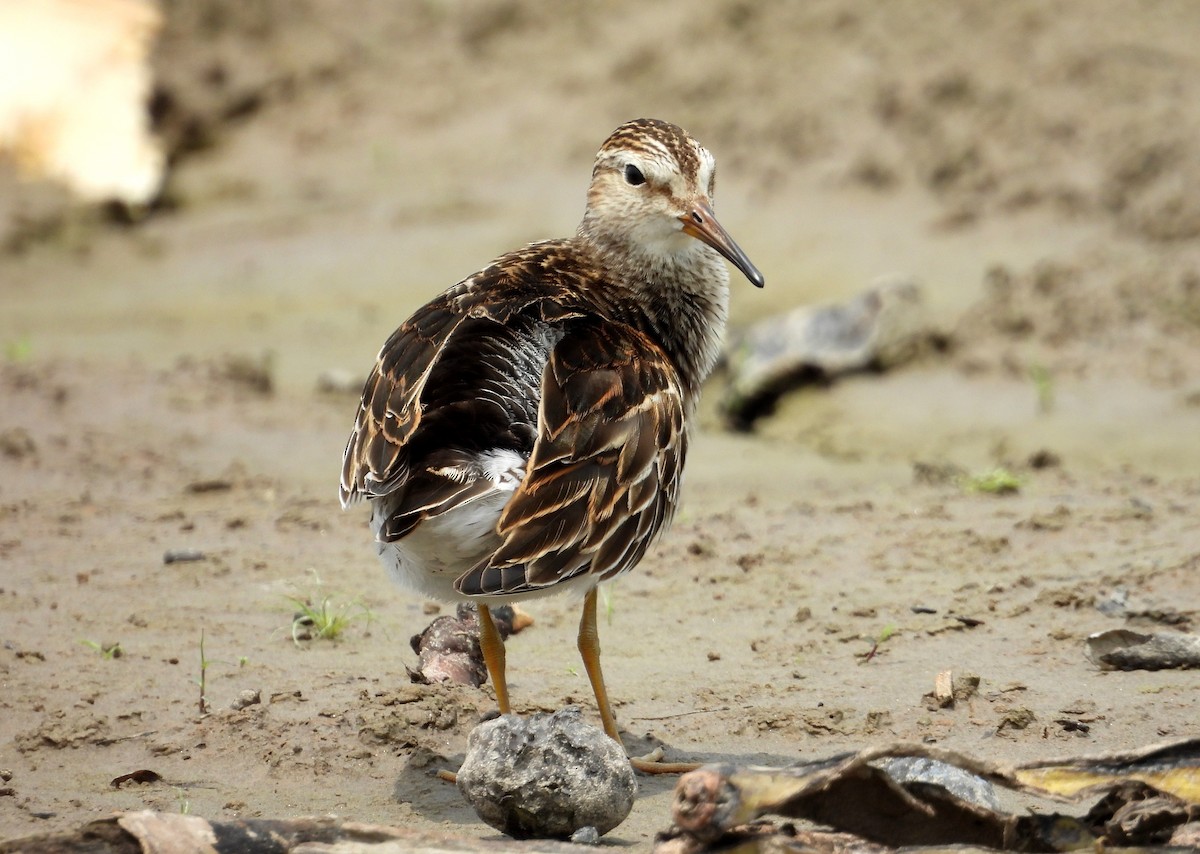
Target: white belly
<point>440,549</point>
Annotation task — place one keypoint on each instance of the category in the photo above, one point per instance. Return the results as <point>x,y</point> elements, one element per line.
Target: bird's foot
<point>652,763</point>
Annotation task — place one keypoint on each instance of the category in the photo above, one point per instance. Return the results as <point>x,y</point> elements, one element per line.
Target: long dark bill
<point>701,223</point>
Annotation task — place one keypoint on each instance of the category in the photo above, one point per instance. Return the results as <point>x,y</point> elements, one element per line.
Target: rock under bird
<point>525,431</point>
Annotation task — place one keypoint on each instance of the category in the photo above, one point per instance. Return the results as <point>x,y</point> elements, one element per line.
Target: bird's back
<point>454,409</point>
<point>461,376</point>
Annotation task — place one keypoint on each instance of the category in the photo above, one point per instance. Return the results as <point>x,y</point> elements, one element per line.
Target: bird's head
<point>652,194</point>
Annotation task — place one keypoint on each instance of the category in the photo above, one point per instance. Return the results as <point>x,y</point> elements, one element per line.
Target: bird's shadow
<point>428,795</point>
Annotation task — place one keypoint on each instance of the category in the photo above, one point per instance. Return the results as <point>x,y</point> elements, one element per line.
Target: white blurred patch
<point>74,83</point>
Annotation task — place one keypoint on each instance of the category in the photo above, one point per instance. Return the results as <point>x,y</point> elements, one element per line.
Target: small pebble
<point>182,555</point>
<point>586,836</point>
<point>246,698</point>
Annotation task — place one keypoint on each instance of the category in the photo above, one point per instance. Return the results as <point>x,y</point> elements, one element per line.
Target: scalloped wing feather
<point>511,291</point>
<point>374,462</point>
<point>603,478</point>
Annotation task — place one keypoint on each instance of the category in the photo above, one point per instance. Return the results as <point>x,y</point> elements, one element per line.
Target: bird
<point>525,431</point>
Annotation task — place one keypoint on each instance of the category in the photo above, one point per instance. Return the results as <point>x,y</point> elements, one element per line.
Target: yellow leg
<point>589,651</point>
<point>492,647</point>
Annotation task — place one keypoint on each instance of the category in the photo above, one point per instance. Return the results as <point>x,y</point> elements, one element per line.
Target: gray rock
<point>546,776</point>
<point>1124,649</point>
<point>963,784</point>
<point>880,328</point>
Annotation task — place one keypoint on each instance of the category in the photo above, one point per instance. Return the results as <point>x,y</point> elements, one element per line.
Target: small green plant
<point>108,651</point>
<point>203,680</point>
<point>998,481</point>
<point>319,617</point>
<point>879,641</point>
<point>1043,383</point>
<point>205,661</point>
<point>325,620</point>
<point>19,350</point>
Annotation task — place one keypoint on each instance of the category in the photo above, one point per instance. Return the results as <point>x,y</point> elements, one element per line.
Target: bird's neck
<point>681,300</point>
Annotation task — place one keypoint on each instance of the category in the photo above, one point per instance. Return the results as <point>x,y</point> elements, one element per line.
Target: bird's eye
<point>634,175</point>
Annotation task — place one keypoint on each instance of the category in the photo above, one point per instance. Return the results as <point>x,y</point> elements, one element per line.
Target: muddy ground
<point>1035,166</point>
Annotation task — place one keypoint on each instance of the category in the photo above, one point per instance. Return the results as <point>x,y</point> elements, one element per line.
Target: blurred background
<point>979,224</point>
<point>295,177</point>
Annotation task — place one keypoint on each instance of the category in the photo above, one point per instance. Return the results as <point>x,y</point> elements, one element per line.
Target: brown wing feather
<point>455,377</point>
<point>603,477</point>
<point>390,411</point>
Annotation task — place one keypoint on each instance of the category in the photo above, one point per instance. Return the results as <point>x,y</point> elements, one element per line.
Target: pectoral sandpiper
<point>524,432</point>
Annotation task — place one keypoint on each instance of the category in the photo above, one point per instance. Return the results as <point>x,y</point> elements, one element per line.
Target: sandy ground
<point>1035,166</point>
